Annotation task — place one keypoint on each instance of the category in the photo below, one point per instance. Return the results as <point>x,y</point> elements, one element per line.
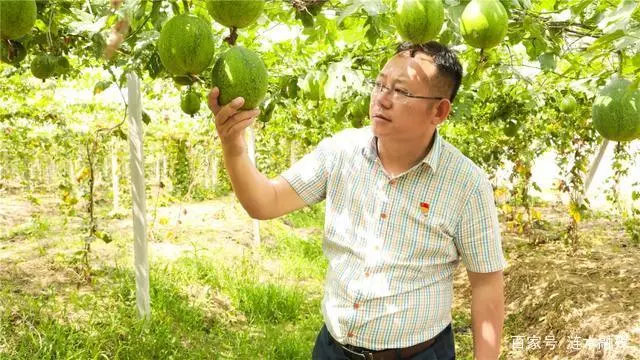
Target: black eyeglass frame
<point>377,85</point>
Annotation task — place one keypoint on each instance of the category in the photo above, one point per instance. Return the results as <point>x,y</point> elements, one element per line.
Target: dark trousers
<point>442,349</point>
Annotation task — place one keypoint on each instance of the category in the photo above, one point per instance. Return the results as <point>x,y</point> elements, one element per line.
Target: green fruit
<point>186,45</point>
<point>235,13</point>
<point>511,129</point>
<point>568,104</point>
<point>62,65</point>
<point>616,111</point>
<point>17,17</point>
<point>190,102</point>
<point>240,72</point>
<point>419,21</point>
<point>484,23</point>
<point>43,66</point>
<point>12,52</point>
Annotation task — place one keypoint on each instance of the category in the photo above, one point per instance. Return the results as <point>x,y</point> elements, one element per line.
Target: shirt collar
<point>370,150</point>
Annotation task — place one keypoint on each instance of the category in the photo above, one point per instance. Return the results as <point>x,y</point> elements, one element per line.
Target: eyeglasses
<point>397,95</point>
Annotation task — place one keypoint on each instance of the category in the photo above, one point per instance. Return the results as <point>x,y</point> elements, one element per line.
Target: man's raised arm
<point>261,198</point>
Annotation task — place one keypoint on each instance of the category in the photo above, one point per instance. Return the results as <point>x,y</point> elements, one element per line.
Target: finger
<point>239,126</point>
<point>212,100</point>
<point>229,110</point>
<point>239,118</point>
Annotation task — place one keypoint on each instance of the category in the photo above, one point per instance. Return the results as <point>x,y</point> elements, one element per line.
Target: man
<point>403,205</point>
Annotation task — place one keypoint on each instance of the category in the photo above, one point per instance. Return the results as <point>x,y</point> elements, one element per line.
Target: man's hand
<point>231,122</point>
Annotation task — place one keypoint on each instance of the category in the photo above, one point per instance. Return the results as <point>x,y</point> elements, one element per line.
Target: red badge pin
<point>424,207</point>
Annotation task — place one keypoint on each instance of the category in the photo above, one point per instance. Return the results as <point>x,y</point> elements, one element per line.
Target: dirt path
<point>37,250</point>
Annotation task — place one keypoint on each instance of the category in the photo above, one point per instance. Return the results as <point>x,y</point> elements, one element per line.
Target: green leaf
<point>352,8</point>
<point>631,40</point>
<point>485,91</point>
<point>305,18</point>
<point>267,113</point>
<point>605,40</point>
<point>523,4</point>
<point>145,39</point>
<point>86,23</point>
<point>104,236</point>
<point>342,111</point>
<point>154,65</point>
<point>547,5</point>
<point>146,119</point>
<point>547,62</point>
<point>140,10</point>
<point>373,7</point>
<point>101,86</point>
<point>373,33</point>
<point>118,132</point>
<point>98,45</point>
<point>618,19</point>
<point>536,186</point>
<point>579,7</point>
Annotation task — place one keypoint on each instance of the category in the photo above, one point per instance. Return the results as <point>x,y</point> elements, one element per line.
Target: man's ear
<point>442,111</point>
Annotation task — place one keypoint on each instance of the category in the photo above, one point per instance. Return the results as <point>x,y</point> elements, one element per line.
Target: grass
<point>201,307</point>
<point>312,216</point>
<point>101,321</point>
<point>238,302</point>
<point>270,303</point>
<point>36,227</point>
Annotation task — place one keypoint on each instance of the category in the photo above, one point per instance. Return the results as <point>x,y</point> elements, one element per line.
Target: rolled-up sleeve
<point>478,233</point>
<point>308,176</point>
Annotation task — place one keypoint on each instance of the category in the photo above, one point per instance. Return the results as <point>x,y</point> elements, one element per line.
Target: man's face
<point>405,118</point>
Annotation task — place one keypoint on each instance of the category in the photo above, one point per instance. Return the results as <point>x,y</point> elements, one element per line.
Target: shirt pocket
<point>430,238</point>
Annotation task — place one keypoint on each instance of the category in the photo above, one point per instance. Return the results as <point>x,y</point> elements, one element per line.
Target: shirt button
<point>356,306</point>
<point>383,216</point>
<point>366,274</point>
<point>393,181</point>
<point>350,334</point>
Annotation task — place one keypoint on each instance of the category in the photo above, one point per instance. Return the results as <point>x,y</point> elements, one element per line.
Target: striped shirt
<point>393,244</point>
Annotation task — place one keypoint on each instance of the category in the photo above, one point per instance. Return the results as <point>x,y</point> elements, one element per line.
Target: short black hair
<point>445,59</point>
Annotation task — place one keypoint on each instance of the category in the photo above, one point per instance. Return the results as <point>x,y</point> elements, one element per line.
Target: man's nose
<point>384,98</point>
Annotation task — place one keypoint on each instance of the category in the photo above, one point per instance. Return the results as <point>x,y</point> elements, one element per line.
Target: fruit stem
<point>233,36</point>
<point>483,59</point>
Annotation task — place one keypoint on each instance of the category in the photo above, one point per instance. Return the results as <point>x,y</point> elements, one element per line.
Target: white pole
<point>252,156</point>
<point>136,165</point>
<point>593,169</point>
